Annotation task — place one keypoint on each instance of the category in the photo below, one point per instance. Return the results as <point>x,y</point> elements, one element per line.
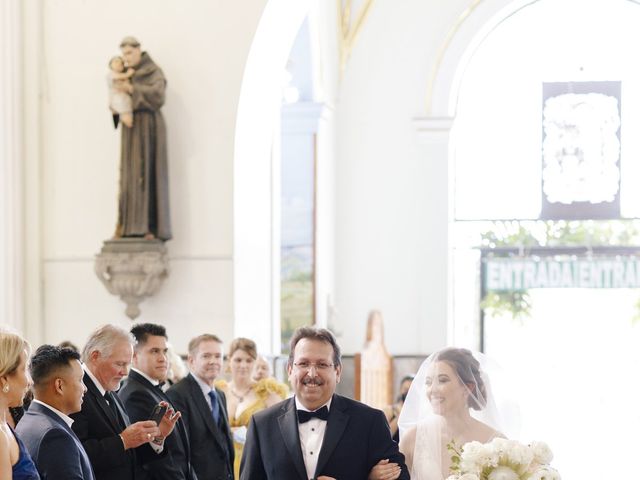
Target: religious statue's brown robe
<point>144,186</point>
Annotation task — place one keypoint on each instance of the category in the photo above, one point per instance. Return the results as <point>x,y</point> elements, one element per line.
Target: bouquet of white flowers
<point>501,459</point>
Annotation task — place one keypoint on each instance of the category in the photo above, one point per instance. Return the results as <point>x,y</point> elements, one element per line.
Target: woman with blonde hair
<point>15,461</point>
<point>244,395</point>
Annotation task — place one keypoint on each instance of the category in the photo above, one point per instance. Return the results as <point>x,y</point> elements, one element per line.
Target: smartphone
<point>157,413</point>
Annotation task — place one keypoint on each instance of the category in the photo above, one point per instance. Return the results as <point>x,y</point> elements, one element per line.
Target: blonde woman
<point>244,395</point>
<point>15,462</point>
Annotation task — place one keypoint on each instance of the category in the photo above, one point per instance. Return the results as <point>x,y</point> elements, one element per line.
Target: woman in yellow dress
<point>244,395</point>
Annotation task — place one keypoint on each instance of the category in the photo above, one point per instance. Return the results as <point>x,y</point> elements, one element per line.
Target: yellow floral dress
<point>263,389</point>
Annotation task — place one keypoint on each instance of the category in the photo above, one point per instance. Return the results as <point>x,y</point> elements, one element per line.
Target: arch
<point>465,35</point>
<point>255,242</point>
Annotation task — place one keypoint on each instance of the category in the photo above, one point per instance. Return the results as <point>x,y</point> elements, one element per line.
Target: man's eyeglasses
<point>306,366</point>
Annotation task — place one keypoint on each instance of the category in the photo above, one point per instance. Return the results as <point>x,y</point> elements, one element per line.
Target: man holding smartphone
<point>144,400</point>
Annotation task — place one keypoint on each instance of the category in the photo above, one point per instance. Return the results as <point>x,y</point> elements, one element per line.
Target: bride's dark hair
<point>468,369</point>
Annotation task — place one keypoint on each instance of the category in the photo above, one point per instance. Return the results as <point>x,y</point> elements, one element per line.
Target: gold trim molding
<point>443,48</point>
<point>349,27</point>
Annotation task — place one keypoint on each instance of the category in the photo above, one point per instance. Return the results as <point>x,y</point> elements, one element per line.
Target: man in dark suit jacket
<point>103,427</point>
<point>46,428</point>
<point>204,410</point>
<point>141,392</point>
<point>318,434</point>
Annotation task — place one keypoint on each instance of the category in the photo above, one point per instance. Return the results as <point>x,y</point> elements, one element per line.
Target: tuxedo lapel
<point>102,403</point>
<point>336,425</point>
<point>121,409</point>
<point>288,423</point>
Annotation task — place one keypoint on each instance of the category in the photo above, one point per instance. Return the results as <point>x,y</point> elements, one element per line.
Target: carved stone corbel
<point>133,269</point>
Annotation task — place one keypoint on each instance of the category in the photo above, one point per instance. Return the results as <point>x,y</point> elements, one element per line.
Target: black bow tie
<point>304,416</point>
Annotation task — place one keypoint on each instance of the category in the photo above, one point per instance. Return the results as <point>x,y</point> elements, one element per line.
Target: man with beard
<point>144,188</point>
<point>325,436</point>
<point>115,446</point>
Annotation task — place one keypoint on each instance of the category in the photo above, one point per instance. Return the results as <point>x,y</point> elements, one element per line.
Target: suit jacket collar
<point>93,391</point>
<point>38,409</point>
<point>133,375</point>
<point>336,424</point>
<point>288,423</point>
<point>140,373</point>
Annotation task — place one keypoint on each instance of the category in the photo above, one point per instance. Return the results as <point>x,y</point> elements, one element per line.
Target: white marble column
<point>433,135</point>
<point>11,172</point>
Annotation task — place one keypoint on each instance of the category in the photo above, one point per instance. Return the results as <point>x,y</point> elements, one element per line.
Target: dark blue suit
<point>54,447</point>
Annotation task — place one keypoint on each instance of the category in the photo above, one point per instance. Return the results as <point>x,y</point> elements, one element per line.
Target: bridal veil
<point>457,395</point>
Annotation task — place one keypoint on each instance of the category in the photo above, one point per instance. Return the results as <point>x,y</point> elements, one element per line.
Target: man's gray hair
<point>104,339</point>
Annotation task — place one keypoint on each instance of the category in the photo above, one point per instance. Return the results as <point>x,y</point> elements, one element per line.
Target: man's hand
<point>168,420</point>
<point>383,470</point>
<point>325,478</point>
<point>139,433</point>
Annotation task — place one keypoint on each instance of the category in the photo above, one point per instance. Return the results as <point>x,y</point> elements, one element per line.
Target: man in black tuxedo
<point>142,391</point>
<point>318,434</point>
<point>103,427</point>
<point>45,428</point>
<point>203,408</point>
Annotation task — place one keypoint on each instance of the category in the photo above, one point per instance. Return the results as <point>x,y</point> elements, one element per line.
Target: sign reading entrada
<point>513,274</point>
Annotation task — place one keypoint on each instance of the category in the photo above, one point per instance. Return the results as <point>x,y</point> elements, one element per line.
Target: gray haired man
<point>115,447</point>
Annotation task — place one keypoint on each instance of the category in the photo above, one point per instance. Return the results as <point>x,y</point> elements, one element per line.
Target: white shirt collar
<point>97,383</point>
<point>153,382</point>
<point>68,420</point>
<point>299,405</point>
<point>206,388</point>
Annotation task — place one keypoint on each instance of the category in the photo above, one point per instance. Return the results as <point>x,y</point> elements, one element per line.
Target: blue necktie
<point>215,406</point>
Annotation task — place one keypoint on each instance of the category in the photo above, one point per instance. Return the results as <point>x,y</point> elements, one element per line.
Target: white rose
<point>542,453</point>
<point>503,473</point>
<point>469,476</point>
<point>472,458</point>
<point>545,473</point>
<point>520,455</point>
<point>500,444</point>
<point>476,456</point>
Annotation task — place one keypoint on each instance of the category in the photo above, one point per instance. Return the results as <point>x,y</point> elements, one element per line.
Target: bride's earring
<point>5,389</point>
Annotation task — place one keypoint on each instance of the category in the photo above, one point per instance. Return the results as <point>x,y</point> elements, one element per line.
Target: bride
<point>450,403</point>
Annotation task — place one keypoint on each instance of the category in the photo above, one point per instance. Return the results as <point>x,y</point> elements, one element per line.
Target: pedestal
<point>133,269</point>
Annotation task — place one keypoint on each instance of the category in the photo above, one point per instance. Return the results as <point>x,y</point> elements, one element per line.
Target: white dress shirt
<point>205,390</point>
<point>66,418</point>
<point>311,437</point>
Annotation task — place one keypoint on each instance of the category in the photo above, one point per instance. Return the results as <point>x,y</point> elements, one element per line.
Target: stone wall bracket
<point>133,269</point>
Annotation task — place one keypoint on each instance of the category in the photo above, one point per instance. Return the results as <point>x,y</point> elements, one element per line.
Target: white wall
<point>202,46</point>
<point>388,190</point>
<point>392,191</point>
